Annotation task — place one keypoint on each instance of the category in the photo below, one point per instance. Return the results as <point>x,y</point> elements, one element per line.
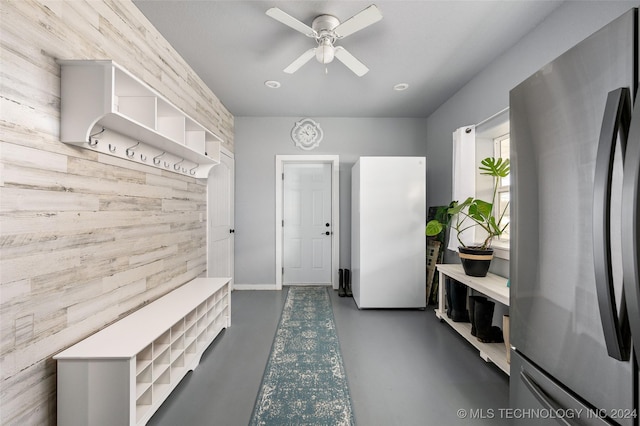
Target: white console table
<point>492,286</point>
<point>123,373</point>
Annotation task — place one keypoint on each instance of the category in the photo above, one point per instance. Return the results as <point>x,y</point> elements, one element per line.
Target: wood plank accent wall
<point>84,238</point>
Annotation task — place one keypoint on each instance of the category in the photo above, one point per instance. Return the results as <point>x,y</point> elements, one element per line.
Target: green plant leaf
<point>457,207</point>
<point>434,227</point>
<point>498,168</point>
<point>495,229</point>
<point>442,214</point>
<point>480,210</point>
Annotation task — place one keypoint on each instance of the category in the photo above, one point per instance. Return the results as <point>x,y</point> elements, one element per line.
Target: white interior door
<point>307,224</point>
<point>220,221</point>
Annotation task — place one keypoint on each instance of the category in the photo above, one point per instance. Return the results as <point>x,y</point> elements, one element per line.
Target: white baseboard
<point>242,287</point>
<point>254,287</point>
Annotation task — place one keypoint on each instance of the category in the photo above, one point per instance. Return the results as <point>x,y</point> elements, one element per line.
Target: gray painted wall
<point>259,139</point>
<point>488,92</point>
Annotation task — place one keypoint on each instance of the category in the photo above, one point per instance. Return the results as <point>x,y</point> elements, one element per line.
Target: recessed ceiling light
<point>400,87</point>
<point>272,84</point>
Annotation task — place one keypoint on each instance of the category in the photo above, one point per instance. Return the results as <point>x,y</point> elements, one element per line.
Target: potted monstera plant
<point>474,212</point>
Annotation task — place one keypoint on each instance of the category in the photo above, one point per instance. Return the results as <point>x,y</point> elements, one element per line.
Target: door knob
<point>326,233</point>
<point>232,231</point>
<point>327,224</point>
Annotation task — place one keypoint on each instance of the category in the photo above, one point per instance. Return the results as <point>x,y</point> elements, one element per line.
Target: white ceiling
<point>434,46</point>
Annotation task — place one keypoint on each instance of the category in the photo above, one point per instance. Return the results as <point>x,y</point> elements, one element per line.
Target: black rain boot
<point>347,283</point>
<point>459,302</point>
<point>486,332</point>
<point>447,293</point>
<point>341,290</point>
<point>472,312</point>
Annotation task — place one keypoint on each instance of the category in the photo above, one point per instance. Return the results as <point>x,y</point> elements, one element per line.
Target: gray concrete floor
<point>404,368</point>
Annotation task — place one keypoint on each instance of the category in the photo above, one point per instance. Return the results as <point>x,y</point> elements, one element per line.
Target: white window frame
<point>501,244</point>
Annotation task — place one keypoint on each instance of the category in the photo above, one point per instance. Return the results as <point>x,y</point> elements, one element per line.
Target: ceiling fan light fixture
<point>326,29</point>
<point>325,51</point>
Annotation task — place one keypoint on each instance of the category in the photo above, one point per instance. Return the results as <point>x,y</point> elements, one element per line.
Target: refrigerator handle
<point>617,116</point>
<point>631,226</point>
<point>542,397</point>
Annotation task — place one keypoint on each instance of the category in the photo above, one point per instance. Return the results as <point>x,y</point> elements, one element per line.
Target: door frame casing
<point>334,160</point>
<point>231,155</point>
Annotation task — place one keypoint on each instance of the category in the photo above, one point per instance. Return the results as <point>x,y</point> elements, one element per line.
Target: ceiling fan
<point>326,29</point>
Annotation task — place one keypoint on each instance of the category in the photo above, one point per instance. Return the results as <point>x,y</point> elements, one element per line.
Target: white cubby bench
<point>124,372</point>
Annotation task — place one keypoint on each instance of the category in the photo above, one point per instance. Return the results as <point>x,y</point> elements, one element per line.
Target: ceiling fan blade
<point>350,61</point>
<point>302,59</point>
<point>360,20</point>
<point>290,21</point>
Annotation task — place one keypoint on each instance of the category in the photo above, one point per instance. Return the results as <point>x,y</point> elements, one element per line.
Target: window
<point>471,144</point>
<point>503,197</point>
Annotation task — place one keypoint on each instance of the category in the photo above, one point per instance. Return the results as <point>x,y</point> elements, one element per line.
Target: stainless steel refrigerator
<point>575,316</point>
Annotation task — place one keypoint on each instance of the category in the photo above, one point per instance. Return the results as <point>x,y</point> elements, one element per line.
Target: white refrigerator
<point>388,246</point>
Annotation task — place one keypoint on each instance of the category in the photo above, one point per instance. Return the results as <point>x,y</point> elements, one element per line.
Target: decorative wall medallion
<point>307,134</point>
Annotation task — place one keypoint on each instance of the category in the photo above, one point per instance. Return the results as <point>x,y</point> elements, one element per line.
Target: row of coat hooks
<point>133,152</point>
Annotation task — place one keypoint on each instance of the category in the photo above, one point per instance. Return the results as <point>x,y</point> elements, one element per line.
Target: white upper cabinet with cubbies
<point>123,373</point>
<point>109,110</point>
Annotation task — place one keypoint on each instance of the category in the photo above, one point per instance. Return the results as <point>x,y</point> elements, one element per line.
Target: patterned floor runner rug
<point>304,381</point>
